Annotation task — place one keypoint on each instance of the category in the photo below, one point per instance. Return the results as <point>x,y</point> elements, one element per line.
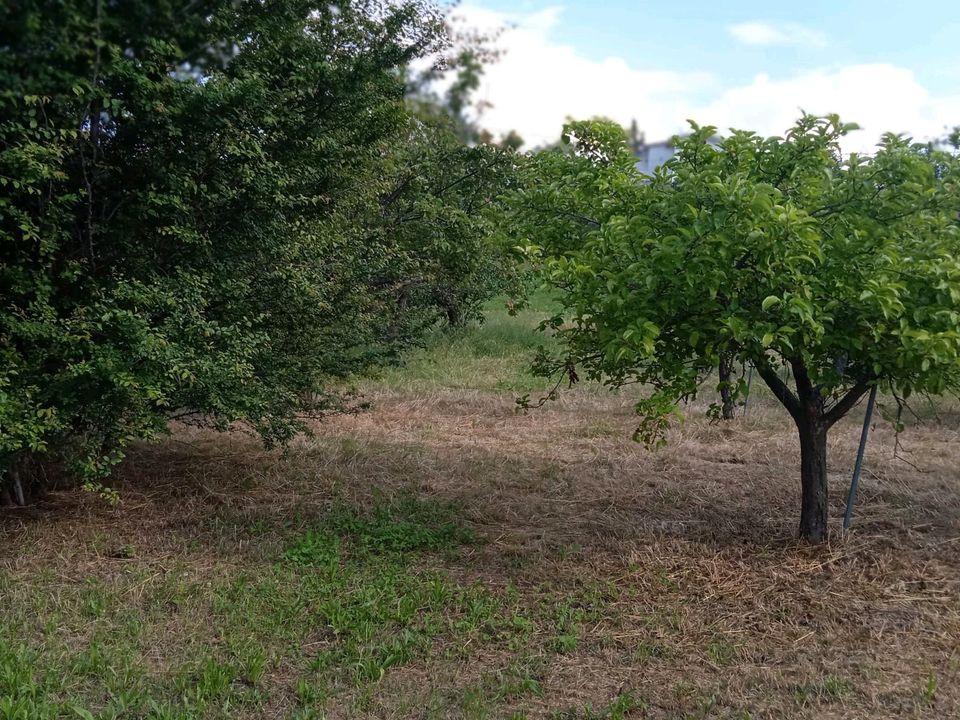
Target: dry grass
<point>679,567</point>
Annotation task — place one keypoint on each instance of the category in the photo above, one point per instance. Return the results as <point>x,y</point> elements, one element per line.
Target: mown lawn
<point>492,356</point>
<point>445,556</point>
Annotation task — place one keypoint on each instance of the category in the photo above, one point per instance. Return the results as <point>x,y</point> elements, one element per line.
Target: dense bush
<point>211,209</point>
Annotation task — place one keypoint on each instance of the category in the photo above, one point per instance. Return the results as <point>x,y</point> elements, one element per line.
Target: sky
<point>888,66</point>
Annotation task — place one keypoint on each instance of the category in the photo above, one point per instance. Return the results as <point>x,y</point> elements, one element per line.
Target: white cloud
<point>879,97</point>
<point>763,33</point>
<point>538,83</point>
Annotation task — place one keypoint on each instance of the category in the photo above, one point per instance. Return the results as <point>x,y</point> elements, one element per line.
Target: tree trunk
<point>727,406</point>
<point>17,486</point>
<point>452,303</point>
<point>454,314</point>
<point>813,422</point>
<point>814,500</point>
<point>20,483</point>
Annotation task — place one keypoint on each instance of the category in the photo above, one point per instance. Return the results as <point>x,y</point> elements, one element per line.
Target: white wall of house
<point>650,157</point>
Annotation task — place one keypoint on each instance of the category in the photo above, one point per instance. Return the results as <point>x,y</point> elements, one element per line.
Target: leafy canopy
<point>210,210</point>
<point>775,250</point>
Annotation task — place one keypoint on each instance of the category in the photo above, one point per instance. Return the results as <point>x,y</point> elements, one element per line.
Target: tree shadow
<point>225,495</point>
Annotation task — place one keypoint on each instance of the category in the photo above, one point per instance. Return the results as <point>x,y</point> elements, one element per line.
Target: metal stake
<point>746,398</point>
<point>852,495</point>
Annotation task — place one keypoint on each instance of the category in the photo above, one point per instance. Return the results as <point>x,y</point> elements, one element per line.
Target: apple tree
<point>771,251</point>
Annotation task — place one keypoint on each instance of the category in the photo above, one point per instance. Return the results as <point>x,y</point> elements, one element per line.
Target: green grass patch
<point>354,596</point>
<point>828,689</point>
<point>623,706</point>
<point>399,525</point>
<point>494,355</point>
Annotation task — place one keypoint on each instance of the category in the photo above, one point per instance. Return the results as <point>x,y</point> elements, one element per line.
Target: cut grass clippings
<point>444,556</point>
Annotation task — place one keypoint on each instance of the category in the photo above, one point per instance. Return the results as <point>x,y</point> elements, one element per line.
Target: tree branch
<point>846,403</point>
<point>565,213</point>
<point>463,178</point>
<point>805,388</point>
<point>779,388</point>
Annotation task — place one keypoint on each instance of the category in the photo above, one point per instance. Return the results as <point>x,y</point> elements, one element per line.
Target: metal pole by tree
<point>855,480</point>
